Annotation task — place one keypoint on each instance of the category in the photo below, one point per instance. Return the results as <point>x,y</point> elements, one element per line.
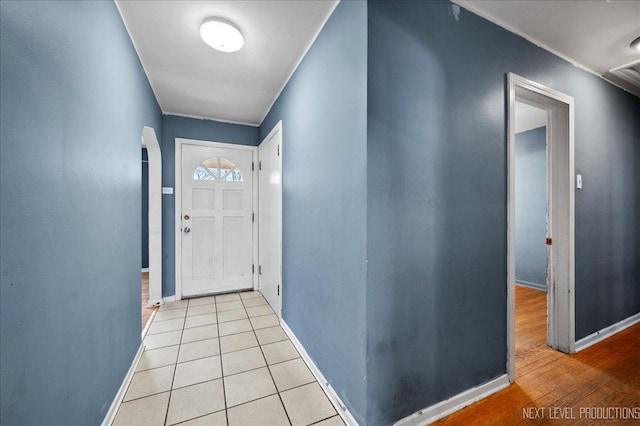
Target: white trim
<point>199,117</point>
<point>169,299</point>
<point>154,155</point>
<point>448,406</point>
<point>256,208</point>
<point>561,219</point>
<point>607,332</point>
<point>133,43</point>
<point>117,400</point>
<point>628,65</point>
<point>277,128</point>
<point>473,9</point>
<point>178,204</point>
<point>145,330</point>
<point>324,384</point>
<point>529,284</point>
<point>293,70</point>
<point>511,231</point>
<point>143,270</point>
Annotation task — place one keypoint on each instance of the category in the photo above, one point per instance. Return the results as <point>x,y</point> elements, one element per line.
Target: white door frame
<point>178,204</point>
<point>150,142</point>
<point>561,213</point>
<point>277,128</point>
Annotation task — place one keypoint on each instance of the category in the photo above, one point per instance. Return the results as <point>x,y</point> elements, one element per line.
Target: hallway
<point>222,360</point>
<point>604,375</point>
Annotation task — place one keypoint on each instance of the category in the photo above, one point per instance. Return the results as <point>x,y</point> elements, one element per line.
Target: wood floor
<point>146,312</point>
<point>550,384</point>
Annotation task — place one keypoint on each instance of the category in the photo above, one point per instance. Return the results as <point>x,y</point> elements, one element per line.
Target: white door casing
<point>561,214</point>
<point>150,142</point>
<point>270,218</point>
<point>215,207</point>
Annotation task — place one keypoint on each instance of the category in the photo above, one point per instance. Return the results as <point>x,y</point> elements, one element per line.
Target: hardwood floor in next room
<point>604,375</point>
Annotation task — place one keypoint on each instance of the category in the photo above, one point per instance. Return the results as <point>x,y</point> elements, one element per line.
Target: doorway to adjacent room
<point>551,266</point>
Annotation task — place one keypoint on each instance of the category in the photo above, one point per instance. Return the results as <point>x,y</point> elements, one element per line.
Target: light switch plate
<point>579,181</point>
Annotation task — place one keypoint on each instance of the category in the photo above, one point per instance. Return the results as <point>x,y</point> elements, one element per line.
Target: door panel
<point>217,209</point>
<point>234,253</point>
<point>203,235</point>
<point>270,225</point>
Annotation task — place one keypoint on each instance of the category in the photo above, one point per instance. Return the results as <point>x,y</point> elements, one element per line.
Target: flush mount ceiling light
<point>635,44</point>
<point>222,35</point>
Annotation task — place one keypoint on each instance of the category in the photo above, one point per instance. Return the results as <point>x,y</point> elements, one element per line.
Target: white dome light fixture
<point>222,35</point>
<point>635,44</point>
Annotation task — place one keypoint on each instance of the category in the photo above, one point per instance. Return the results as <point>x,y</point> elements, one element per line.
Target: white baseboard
<point>607,332</point>
<point>448,406</point>
<point>113,409</point>
<point>161,302</point>
<point>144,270</point>
<point>154,303</point>
<point>529,284</point>
<point>145,330</point>
<point>326,387</point>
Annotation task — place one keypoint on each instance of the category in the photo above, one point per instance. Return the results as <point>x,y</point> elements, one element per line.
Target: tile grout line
<point>327,418</point>
<point>179,345</point>
<point>224,390</point>
<point>199,417</point>
<point>217,324</point>
<point>168,331</point>
<point>147,396</point>
<point>226,353</point>
<point>251,347</point>
<point>175,367</point>
<point>205,304</point>
<point>208,325</point>
<point>286,413</point>
<point>229,375</point>
<point>221,368</point>
<point>136,372</point>
<point>335,412</point>
<point>277,393</point>
<point>165,320</point>
<point>209,313</point>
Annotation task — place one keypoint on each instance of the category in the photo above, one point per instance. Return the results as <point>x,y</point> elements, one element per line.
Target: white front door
<point>270,225</point>
<point>216,219</point>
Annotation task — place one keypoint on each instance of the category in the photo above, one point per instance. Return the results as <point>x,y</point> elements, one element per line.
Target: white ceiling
<point>529,117</point>
<point>189,78</point>
<point>593,34</point>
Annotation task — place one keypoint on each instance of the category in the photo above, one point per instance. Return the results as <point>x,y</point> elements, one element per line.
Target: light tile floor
<point>222,360</point>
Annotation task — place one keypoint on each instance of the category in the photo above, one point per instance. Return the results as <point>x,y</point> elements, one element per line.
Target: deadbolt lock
<point>187,217</point>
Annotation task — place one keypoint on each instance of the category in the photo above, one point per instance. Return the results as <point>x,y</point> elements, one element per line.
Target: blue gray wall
<point>145,209</point>
<point>436,200</point>
<point>73,106</point>
<point>531,208</point>
<point>323,113</point>
<point>189,128</point>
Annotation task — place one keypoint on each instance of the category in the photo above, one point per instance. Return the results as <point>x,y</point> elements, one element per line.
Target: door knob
<point>187,229</point>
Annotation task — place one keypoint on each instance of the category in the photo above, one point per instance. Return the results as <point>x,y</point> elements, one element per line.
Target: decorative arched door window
<point>217,168</point>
